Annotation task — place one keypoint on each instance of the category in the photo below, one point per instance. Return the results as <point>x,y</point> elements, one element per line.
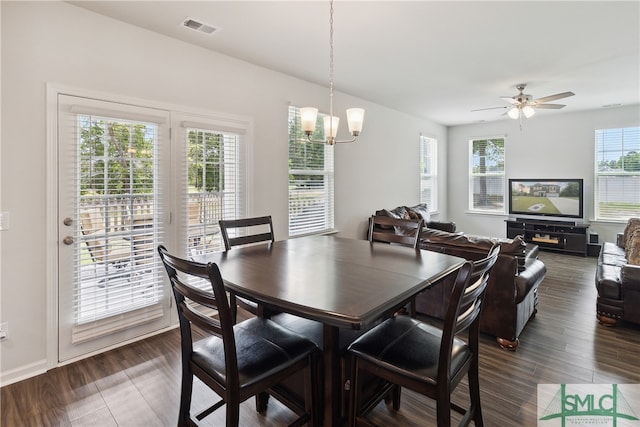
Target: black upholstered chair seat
<point>405,352</point>
<point>260,345</point>
<point>236,361</point>
<point>410,348</point>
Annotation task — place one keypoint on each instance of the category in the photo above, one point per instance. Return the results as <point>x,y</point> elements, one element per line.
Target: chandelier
<point>308,115</point>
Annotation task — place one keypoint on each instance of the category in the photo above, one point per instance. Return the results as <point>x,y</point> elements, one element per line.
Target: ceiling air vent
<point>199,26</point>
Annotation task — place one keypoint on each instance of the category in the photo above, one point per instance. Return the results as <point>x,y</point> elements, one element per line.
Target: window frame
<point>619,137</point>
<point>432,174</point>
<point>501,174</point>
<point>202,232</point>
<point>324,218</point>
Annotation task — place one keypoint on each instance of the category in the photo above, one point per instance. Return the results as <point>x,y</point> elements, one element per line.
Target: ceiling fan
<point>523,104</point>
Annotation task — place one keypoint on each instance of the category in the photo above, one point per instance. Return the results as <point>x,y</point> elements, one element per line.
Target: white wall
<point>559,145</point>
<point>59,43</point>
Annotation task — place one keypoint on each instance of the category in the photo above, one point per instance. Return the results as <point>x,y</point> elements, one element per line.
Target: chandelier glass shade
<point>309,115</point>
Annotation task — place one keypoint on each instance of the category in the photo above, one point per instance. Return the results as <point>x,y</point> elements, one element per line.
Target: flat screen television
<point>561,198</point>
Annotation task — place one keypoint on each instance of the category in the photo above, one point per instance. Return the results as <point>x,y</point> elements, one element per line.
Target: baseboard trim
<point>23,372</point>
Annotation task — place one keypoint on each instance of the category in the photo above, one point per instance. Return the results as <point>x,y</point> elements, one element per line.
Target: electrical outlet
<point>4,221</point>
<point>4,331</point>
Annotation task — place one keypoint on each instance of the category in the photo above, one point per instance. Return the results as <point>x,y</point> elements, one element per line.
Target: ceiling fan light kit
<point>524,105</point>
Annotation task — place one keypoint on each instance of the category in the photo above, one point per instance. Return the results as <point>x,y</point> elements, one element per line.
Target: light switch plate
<point>4,221</point>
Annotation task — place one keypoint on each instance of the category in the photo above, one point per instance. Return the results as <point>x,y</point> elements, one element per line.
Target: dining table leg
<point>332,377</point>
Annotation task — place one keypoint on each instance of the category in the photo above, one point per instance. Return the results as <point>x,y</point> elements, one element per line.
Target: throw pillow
<point>420,211</point>
<point>632,225</point>
<point>634,248</point>
<point>397,213</point>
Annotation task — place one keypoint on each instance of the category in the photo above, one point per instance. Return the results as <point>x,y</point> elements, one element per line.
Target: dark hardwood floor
<point>138,385</point>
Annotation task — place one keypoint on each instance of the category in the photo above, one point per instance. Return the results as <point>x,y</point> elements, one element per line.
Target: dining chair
<point>236,361</point>
<point>397,231</point>
<point>246,231</point>
<point>406,352</point>
<point>393,230</point>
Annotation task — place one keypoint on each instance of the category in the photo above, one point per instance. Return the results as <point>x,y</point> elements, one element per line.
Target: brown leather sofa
<point>512,293</point>
<point>618,277</point>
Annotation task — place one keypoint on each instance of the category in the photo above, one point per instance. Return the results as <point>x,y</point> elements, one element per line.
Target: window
<point>429,172</point>
<point>131,176</point>
<point>112,206</point>
<point>214,186</point>
<point>486,175</point>
<point>310,180</point>
<point>617,173</point>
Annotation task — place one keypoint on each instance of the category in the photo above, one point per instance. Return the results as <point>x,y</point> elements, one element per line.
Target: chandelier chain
<point>331,58</point>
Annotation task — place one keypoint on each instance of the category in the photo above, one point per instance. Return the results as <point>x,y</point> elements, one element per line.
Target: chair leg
<point>412,308</point>
<point>311,400</point>
<point>443,407</point>
<point>474,395</point>
<point>184,417</point>
<point>233,414</point>
<point>353,393</point>
<point>262,401</point>
<point>397,390</point>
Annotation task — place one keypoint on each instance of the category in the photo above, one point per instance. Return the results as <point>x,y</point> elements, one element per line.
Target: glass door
<point>113,168</point>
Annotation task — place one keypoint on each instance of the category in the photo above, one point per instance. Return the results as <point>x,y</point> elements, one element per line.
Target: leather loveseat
<point>618,277</point>
<point>511,297</point>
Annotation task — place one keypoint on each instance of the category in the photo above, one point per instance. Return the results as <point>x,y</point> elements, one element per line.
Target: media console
<point>562,236</point>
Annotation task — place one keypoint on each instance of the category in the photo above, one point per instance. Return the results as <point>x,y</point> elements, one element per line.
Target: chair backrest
<point>192,303</point>
<point>246,224</point>
<point>465,305</point>
<point>392,230</point>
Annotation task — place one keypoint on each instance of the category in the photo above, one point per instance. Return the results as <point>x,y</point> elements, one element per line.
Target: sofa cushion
<point>507,246</point>
<point>633,248</point>
<point>612,259</point>
<point>420,211</point>
<point>612,249</point>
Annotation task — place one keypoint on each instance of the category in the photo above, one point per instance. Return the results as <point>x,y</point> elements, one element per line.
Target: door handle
<point>68,240</point>
<point>67,221</point>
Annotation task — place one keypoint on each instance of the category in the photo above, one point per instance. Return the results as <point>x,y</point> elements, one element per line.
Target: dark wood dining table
<point>339,282</point>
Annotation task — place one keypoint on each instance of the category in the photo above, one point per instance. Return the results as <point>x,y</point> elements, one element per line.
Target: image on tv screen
<point>560,198</point>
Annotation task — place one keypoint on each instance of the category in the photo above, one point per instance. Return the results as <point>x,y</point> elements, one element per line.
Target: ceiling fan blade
<point>509,99</point>
<point>490,108</point>
<point>549,106</point>
<point>554,97</point>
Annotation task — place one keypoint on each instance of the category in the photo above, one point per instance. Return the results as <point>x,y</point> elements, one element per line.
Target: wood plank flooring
<point>138,385</point>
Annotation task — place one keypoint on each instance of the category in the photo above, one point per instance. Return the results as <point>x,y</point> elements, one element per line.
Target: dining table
<point>339,282</point>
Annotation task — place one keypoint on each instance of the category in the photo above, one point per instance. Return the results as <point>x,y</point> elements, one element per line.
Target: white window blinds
<point>429,172</point>
<point>117,276</point>
<point>311,177</point>
<point>213,180</point>
<point>617,173</point>
<point>486,175</point>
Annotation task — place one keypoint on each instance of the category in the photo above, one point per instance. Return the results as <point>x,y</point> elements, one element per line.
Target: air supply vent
<point>199,26</point>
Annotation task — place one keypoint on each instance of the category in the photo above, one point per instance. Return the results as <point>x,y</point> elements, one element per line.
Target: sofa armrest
<point>619,241</point>
<point>630,277</point>
<point>449,226</point>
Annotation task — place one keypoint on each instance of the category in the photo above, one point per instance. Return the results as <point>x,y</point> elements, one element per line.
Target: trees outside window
<point>617,173</point>
<point>486,175</point>
<point>310,180</point>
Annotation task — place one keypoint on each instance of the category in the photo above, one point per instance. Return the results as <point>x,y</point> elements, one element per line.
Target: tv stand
<point>561,236</point>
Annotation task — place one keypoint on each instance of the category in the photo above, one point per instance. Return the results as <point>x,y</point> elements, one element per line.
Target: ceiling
<point>432,59</point>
